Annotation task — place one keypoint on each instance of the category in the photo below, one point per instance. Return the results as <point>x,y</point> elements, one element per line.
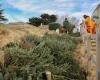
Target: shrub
<point>48,18</point>
<point>35,21</point>
<point>54,26</point>
<point>52,52</point>
<point>30,41</point>
<point>44,18</point>
<point>45,21</point>
<point>77,34</point>
<point>68,26</point>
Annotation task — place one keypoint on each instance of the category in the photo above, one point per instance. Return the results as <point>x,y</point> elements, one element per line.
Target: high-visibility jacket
<point>90,25</point>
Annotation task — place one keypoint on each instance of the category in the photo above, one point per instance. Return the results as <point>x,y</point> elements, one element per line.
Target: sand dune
<point>13,33</point>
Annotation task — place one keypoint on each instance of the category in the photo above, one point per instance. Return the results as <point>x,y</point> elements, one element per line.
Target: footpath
<point>87,61</point>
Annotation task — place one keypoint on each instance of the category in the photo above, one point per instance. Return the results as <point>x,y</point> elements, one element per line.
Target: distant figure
<point>90,24</point>
<point>61,30</point>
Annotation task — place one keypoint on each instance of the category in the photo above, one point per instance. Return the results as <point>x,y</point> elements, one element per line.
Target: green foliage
<point>45,16</point>
<point>51,53</point>
<point>54,26</point>
<point>52,18</point>
<point>49,18</point>
<point>77,34</point>
<point>35,21</point>
<point>30,41</point>
<point>68,26</point>
<point>45,19</point>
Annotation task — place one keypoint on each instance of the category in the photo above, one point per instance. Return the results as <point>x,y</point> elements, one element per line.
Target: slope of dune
<point>13,32</point>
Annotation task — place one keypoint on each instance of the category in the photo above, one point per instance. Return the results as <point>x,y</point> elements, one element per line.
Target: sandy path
<point>86,65</point>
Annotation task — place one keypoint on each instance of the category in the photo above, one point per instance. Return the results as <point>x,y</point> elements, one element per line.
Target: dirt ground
<point>86,65</point>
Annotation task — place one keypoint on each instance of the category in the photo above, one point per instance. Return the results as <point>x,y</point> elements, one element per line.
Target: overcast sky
<point>21,10</point>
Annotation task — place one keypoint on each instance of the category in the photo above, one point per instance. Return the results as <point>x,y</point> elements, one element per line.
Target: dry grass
<point>13,33</point>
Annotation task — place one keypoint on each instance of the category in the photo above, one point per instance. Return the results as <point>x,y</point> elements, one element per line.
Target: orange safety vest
<point>90,25</point>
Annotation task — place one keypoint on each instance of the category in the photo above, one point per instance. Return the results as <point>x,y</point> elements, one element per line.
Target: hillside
<point>13,32</point>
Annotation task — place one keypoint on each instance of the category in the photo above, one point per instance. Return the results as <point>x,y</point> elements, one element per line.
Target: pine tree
<point>2,18</point>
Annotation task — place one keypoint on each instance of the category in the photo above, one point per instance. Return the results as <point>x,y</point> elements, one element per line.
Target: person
<point>90,28</point>
<point>83,31</point>
<point>90,24</point>
<point>82,28</point>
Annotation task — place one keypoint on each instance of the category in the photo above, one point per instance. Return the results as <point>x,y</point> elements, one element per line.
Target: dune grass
<point>2,26</point>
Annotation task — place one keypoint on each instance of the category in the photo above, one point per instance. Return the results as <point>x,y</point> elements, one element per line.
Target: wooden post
<point>98,52</point>
<point>48,75</point>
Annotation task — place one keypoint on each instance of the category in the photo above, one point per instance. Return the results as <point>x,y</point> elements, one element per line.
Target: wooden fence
<point>98,51</point>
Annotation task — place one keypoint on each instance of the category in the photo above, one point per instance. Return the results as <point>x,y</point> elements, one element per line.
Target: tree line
<point>50,20</point>
<point>44,19</point>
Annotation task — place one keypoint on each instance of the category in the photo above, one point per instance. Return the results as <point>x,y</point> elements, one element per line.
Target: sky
<point>22,10</point>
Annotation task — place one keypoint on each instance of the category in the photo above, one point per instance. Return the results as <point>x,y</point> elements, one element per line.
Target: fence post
<point>48,75</point>
<point>98,52</point>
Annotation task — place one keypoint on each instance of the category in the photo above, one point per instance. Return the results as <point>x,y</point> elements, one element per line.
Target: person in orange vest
<point>90,24</point>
